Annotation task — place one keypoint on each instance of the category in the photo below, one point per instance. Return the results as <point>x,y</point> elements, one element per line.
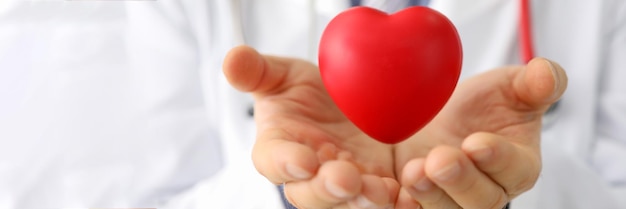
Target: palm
<point>302,110</point>
<point>485,103</point>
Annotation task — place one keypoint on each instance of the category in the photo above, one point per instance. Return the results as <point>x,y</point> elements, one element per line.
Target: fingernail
<point>423,185</point>
<point>361,202</point>
<point>480,153</point>
<point>448,172</point>
<point>297,172</point>
<point>557,81</point>
<point>336,190</point>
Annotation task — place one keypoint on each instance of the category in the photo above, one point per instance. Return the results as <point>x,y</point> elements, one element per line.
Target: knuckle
<point>524,185</point>
<point>529,181</point>
<point>527,184</point>
<point>498,202</point>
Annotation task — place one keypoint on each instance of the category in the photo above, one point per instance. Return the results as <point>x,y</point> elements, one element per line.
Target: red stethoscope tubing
<point>525,33</point>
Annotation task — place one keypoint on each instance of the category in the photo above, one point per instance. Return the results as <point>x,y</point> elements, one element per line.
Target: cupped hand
<point>305,142</point>
<point>482,149</point>
<point>479,152</point>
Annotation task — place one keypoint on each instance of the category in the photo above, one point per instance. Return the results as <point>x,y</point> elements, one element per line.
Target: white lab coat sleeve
<point>177,37</point>
<point>609,152</point>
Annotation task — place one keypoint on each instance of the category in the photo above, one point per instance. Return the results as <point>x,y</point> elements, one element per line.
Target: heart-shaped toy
<point>390,74</point>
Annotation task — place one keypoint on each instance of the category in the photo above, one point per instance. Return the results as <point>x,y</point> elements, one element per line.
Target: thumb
<point>248,71</point>
<point>542,82</point>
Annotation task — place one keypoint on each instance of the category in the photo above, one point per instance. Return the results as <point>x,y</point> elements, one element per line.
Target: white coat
<point>123,104</point>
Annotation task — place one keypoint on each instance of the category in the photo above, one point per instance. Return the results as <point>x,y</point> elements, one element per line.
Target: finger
<point>451,170</point>
<point>281,160</point>
<point>541,83</point>
<point>422,189</point>
<point>394,190</point>
<point>406,201</point>
<point>336,182</point>
<point>375,193</point>
<point>248,71</point>
<point>512,166</point>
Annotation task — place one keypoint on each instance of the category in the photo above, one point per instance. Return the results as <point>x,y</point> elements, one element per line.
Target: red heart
<point>390,74</point>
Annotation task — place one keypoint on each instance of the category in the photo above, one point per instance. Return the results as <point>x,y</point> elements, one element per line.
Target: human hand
<point>482,149</point>
<point>327,162</point>
<point>304,141</point>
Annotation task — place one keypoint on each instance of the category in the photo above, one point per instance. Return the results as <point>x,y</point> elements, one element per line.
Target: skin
<point>479,152</point>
